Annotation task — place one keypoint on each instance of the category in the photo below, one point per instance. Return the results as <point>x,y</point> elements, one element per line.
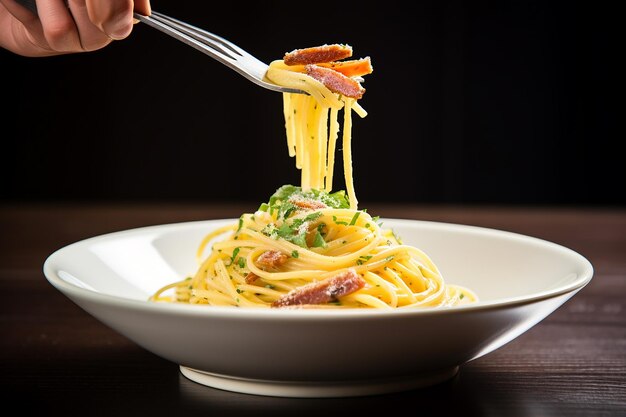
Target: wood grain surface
<point>55,358</point>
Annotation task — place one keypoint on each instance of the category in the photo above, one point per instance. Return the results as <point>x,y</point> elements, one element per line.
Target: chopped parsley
<point>396,237</point>
<point>291,225</point>
<point>295,254</point>
<point>339,222</point>
<point>235,253</point>
<point>282,195</point>
<point>286,209</point>
<point>461,296</point>
<point>240,224</point>
<point>363,259</point>
<point>242,262</point>
<point>293,231</point>
<point>318,241</point>
<point>354,218</point>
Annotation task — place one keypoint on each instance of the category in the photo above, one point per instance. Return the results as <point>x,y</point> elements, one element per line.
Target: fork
<point>216,47</point>
<point>209,43</point>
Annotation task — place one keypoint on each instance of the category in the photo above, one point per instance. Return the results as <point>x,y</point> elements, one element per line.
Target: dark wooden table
<point>55,358</point>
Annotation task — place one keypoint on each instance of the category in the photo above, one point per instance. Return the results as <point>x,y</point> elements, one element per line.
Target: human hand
<point>63,27</point>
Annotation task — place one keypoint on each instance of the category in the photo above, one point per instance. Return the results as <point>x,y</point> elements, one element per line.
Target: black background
<point>511,102</point>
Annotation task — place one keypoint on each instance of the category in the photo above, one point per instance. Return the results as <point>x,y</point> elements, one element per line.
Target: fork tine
<point>206,34</point>
<point>246,61</point>
<point>216,47</point>
<point>246,65</point>
<point>207,43</point>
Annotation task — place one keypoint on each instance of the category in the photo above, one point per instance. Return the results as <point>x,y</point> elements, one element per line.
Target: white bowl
<point>320,353</point>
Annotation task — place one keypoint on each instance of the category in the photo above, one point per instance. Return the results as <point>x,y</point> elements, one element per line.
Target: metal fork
<point>216,47</point>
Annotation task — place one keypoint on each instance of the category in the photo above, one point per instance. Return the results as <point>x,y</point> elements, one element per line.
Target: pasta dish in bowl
<point>308,295</point>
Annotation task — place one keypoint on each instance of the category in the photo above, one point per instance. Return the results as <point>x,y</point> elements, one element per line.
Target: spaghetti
<point>309,247</point>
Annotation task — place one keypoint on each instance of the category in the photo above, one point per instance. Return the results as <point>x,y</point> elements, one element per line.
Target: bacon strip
<point>336,81</point>
<point>317,54</point>
<point>351,68</point>
<point>251,278</point>
<point>354,68</point>
<point>307,203</point>
<point>322,292</point>
<point>271,260</point>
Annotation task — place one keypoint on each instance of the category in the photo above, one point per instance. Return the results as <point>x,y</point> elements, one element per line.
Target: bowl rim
<point>76,292</point>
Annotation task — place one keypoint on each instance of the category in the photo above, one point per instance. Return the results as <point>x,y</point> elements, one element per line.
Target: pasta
<point>310,247</point>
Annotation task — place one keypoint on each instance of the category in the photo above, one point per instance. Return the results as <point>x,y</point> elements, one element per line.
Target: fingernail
<point>121,31</point>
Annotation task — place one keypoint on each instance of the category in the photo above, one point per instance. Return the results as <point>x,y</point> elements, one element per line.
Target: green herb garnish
<point>283,194</point>
<point>235,253</point>
<point>318,241</point>
<point>396,237</point>
<point>363,259</point>
<point>339,222</point>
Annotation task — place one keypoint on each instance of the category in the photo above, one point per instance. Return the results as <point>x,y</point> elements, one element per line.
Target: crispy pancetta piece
<point>271,260</point>
<point>307,203</point>
<point>353,68</point>
<point>322,292</point>
<point>317,54</point>
<point>350,68</point>
<point>336,81</point>
<point>251,278</point>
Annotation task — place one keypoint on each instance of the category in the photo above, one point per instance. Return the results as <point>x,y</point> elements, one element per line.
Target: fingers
<point>20,12</point>
<point>143,7</point>
<point>21,31</point>
<point>64,26</point>
<point>91,37</point>
<point>58,26</point>
<point>113,17</point>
